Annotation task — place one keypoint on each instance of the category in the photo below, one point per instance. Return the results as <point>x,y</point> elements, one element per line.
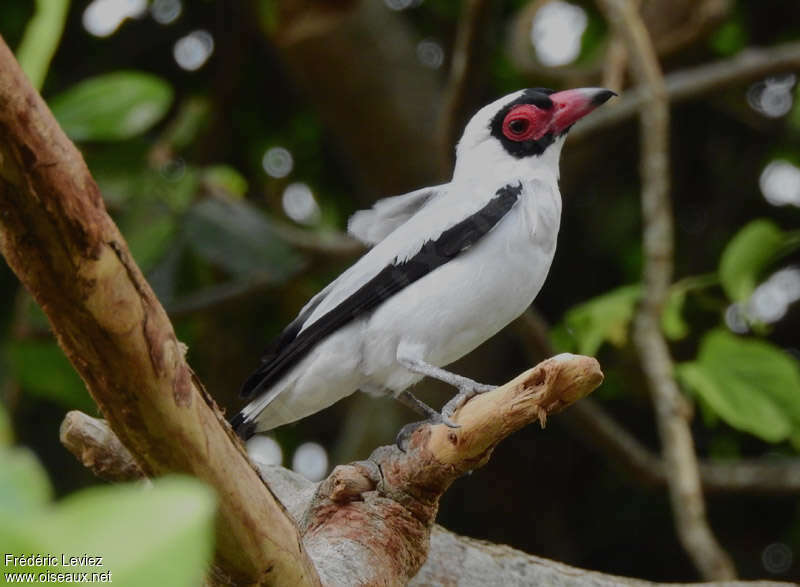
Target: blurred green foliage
<point>41,39</point>
<point>749,383</point>
<point>112,107</point>
<point>159,535</point>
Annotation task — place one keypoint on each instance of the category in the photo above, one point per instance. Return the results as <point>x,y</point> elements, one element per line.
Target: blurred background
<point>232,140</point>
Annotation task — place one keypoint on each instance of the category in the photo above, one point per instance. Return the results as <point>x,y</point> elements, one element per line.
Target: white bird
<point>451,265</point>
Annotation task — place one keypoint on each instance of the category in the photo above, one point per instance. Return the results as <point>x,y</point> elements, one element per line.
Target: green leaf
<point>238,238</point>
<point>42,36</point>
<point>149,240</point>
<point>751,384</point>
<point>604,318</point>
<point>160,536</point>
<point>747,255</point>
<point>41,368</point>
<point>672,322</point>
<point>225,179</point>
<point>730,38</point>
<point>6,431</point>
<point>112,107</point>
<point>24,486</point>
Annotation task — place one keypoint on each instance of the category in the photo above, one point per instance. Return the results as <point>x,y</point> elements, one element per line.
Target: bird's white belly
<point>455,308</point>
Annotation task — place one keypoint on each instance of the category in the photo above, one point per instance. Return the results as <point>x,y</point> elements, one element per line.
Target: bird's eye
<point>518,126</point>
<point>525,122</point>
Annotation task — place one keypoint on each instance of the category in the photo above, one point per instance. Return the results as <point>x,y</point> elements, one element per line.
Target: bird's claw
<point>406,431</point>
<point>401,441</point>
<point>447,421</point>
<point>463,396</point>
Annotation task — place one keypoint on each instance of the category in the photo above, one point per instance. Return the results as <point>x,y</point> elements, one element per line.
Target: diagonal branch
<point>589,420</point>
<point>686,493</point>
<point>59,240</point>
<point>747,66</point>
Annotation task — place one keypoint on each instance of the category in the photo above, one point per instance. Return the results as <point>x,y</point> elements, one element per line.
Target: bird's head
<point>526,125</point>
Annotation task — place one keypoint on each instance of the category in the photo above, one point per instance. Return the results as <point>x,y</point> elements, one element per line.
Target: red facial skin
<point>526,122</point>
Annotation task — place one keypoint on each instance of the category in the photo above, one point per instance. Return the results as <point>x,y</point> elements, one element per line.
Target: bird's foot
<point>407,431</point>
<point>465,393</point>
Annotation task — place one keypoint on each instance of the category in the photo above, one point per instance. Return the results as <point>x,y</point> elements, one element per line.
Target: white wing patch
<point>373,225</point>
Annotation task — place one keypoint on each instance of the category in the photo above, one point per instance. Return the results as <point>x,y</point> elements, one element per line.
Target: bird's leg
<point>467,388</point>
<point>409,400</point>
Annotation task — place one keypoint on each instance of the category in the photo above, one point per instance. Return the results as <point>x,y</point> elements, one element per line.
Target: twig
<point>589,420</point>
<point>678,447</point>
<point>58,238</point>
<point>745,67</point>
<point>615,65</point>
<point>468,35</point>
<point>97,448</point>
<point>673,26</point>
<point>328,243</point>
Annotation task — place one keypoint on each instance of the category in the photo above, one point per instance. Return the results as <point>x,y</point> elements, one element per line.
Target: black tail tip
<point>244,429</point>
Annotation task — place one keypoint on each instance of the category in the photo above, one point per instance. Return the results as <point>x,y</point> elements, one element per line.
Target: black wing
<point>292,345</point>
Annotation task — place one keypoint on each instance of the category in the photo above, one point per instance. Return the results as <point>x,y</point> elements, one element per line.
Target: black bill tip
<point>602,96</point>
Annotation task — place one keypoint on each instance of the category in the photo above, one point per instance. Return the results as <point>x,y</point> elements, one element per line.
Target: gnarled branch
<point>59,240</point>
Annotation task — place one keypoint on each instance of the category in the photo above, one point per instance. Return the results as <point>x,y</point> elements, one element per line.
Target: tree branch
<point>59,240</point>
<point>451,558</point>
<point>588,419</point>
<point>369,522</point>
<point>672,416</point>
<point>745,67</point>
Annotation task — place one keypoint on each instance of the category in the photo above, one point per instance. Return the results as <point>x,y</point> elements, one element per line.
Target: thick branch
<point>451,559</point>
<point>57,237</point>
<point>678,446</point>
<point>369,522</point>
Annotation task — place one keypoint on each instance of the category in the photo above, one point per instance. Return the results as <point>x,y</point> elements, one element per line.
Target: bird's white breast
<point>453,309</point>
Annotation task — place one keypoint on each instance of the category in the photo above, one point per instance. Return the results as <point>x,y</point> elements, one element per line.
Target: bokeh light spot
<point>430,53</point>
<point>166,11</point>
<point>556,32</point>
<point>777,558</point>
<point>299,203</point>
<point>735,319</point>
<point>772,97</point>
<point>264,450</point>
<point>103,17</point>
<point>311,461</point>
<point>192,51</point>
<point>780,183</point>
<point>401,4</point>
<point>771,300</point>
<point>277,162</point>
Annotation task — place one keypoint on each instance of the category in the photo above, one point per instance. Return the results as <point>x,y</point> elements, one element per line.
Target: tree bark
<point>59,240</point>
<point>451,560</point>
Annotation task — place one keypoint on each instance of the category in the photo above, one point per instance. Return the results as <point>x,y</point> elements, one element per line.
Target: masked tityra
<point>450,266</point>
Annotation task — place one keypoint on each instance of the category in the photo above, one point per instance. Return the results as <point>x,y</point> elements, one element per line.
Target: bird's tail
<point>243,427</point>
<point>252,419</point>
